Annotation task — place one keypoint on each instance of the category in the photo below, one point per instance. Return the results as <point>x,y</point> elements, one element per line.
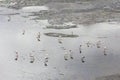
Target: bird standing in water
<point>38,36</point>
<point>80,49</point>
<point>98,44</point>
<point>82,59</point>
<point>32,59</point>
<point>9,18</point>
<point>105,49</point>
<point>71,54</point>
<point>60,40</point>
<point>23,32</point>
<point>88,44</point>
<point>66,55</point>
<point>16,58</point>
<point>46,60</point>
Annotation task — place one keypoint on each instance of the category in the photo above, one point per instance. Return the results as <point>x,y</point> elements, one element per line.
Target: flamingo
<point>71,54</point>
<point>16,58</point>
<point>105,48</point>
<point>46,60</point>
<point>82,59</point>
<point>32,59</point>
<point>80,49</point>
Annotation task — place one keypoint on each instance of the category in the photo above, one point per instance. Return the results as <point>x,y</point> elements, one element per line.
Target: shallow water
<point>96,64</point>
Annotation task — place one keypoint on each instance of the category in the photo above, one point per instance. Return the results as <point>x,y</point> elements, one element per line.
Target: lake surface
<point>19,32</point>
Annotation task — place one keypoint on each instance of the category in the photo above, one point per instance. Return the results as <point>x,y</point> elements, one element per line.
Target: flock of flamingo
<point>68,54</point>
